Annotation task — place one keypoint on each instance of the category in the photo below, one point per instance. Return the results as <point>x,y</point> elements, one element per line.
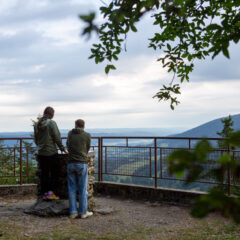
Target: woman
<point>47,137</point>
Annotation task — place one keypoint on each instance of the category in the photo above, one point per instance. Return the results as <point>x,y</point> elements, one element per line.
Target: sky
<point>44,62</point>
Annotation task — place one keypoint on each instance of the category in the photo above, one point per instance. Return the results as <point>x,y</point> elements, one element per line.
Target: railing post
<point>27,170</point>
<point>155,161</point>
<point>21,166</point>
<point>150,161</point>
<point>14,157</point>
<point>99,159</point>
<point>229,175</point>
<point>106,160</point>
<point>161,173</point>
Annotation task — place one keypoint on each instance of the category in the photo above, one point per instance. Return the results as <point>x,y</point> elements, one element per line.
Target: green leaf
<point>115,57</point>
<point>108,67</point>
<point>234,139</point>
<point>224,159</point>
<point>201,150</point>
<point>184,55</point>
<point>134,29</point>
<point>225,52</point>
<point>213,26</point>
<point>179,174</point>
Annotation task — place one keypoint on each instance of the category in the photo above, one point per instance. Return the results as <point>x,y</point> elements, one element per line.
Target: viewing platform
<point>136,197</point>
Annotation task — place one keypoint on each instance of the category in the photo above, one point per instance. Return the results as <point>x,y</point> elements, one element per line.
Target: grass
<point>203,231</point>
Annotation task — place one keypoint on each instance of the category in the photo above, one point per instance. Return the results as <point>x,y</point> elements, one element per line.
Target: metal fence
<point>132,157</point>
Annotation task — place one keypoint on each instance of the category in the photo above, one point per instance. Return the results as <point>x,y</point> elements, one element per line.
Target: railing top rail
<point>31,138</point>
<point>154,137</point>
<point>91,137</point>
<point>123,137</point>
<point>16,138</point>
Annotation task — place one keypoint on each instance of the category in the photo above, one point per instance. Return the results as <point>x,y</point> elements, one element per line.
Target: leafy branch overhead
<point>188,30</point>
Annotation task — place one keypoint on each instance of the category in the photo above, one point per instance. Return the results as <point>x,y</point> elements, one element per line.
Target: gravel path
<point>127,214</point>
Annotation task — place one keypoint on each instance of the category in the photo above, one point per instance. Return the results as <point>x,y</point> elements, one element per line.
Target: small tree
<point>226,131</point>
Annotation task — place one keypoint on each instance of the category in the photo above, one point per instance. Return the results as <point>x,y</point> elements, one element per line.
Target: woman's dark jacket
<point>47,137</point>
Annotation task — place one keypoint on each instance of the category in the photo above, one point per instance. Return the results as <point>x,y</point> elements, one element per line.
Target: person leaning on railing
<point>47,138</point>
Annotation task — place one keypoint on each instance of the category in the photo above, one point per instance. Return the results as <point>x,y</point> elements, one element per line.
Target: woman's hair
<point>48,113</point>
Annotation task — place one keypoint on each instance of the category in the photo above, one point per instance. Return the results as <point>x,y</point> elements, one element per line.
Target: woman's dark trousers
<point>48,166</point>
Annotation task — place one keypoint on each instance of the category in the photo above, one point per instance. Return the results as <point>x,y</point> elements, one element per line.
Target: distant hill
<point>101,132</point>
<point>209,129</point>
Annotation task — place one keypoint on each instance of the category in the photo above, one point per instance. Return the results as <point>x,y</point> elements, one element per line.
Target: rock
<point>162,222</point>
<point>49,208</point>
<point>2,204</point>
<point>174,208</point>
<point>104,210</point>
<point>155,204</point>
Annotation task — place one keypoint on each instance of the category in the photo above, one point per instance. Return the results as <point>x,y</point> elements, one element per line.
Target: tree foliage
<point>10,163</point>
<point>191,164</point>
<point>188,30</point>
<point>226,131</point>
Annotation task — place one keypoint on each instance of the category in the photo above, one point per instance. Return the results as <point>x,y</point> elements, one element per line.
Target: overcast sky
<point>44,61</point>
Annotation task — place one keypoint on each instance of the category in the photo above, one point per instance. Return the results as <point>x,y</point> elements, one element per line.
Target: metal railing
<point>121,157</point>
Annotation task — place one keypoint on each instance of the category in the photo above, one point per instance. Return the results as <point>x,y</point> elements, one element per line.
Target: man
<point>78,144</point>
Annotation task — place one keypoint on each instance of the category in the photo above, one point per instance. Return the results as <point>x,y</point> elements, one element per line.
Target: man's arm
<point>68,141</point>
<point>88,142</point>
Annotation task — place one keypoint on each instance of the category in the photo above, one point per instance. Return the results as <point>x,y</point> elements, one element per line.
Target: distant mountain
<point>210,129</point>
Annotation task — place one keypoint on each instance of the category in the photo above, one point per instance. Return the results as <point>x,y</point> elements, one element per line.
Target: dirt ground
<point>127,215</point>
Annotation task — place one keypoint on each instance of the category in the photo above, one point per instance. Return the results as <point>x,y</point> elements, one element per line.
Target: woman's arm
<point>55,134</point>
<point>35,135</point>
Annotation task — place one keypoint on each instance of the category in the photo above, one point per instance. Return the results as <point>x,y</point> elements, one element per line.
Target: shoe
<point>73,215</point>
<point>87,214</point>
<point>50,196</point>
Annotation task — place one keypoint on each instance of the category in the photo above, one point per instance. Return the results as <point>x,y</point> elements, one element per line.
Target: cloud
<point>220,68</point>
<point>44,62</point>
<point>17,12</point>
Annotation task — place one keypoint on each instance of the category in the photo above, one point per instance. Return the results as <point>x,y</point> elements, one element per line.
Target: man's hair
<point>80,123</point>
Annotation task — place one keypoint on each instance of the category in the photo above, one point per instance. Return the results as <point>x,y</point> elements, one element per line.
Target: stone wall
<point>136,192</point>
<point>18,190</point>
<point>145,193</point>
